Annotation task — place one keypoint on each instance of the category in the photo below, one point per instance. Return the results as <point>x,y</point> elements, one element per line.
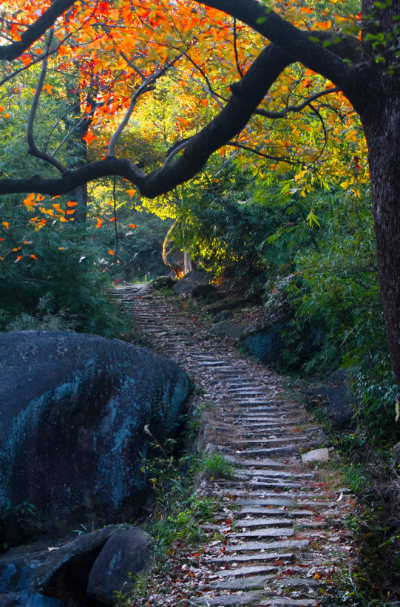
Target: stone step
<point>251,583</point>
<point>225,600</point>
<point>267,472</point>
<point>282,498</point>
<point>245,391</point>
<point>253,557</point>
<point>255,546</point>
<point>287,602</point>
<point>271,511</point>
<point>262,462</point>
<point>220,364</point>
<point>276,426</point>
<point>262,522</point>
<point>264,532</point>
<point>278,430</point>
<point>257,420</point>
<point>296,582</point>
<point>284,450</point>
<point>260,484</point>
<point>247,570</point>
<point>273,440</point>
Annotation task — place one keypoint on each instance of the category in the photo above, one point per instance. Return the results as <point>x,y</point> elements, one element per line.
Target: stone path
<point>280,537</point>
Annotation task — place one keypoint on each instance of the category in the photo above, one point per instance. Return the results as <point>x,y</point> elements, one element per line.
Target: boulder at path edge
<point>185,286</point>
<point>65,572</point>
<point>124,554</point>
<point>72,413</point>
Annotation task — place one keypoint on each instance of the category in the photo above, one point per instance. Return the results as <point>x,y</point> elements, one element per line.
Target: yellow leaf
<point>312,218</point>
<point>63,219</point>
<point>28,202</point>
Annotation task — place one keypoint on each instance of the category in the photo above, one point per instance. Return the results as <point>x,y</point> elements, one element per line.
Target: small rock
<point>225,328</point>
<point>317,455</point>
<point>123,555</point>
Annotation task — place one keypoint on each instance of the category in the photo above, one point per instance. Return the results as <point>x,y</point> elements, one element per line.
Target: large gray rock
<point>265,345</point>
<point>124,554</point>
<point>190,282</point>
<point>339,400</point>
<point>72,413</point>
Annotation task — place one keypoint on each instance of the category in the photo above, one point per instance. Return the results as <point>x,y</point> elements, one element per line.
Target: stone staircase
<point>280,538</point>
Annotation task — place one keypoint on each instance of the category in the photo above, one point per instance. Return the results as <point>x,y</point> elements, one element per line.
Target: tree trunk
<point>381,121</point>
<point>379,109</point>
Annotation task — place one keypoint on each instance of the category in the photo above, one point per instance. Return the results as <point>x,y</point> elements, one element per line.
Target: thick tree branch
<point>247,95</point>
<point>36,30</point>
<point>228,123</point>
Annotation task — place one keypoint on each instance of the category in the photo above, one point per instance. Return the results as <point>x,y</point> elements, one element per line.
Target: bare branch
<point>258,152</point>
<point>238,66</point>
<point>295,108</point>
<point>33,149</point>
<point>146,86</point>
<point>132,65</point>
<point>211,91</point>
<point>175,150</point>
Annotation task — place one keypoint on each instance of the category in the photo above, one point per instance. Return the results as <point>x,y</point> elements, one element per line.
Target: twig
<point>147,431</point>
<point>295,108</point>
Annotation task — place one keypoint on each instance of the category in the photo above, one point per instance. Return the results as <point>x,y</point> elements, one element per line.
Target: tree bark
<point>380,116</point>
<point>381,121</point>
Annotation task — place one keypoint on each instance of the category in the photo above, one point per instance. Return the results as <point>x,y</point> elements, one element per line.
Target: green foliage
<point>64,288</point>
<point>216,465</point>
<point>18,523</point>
